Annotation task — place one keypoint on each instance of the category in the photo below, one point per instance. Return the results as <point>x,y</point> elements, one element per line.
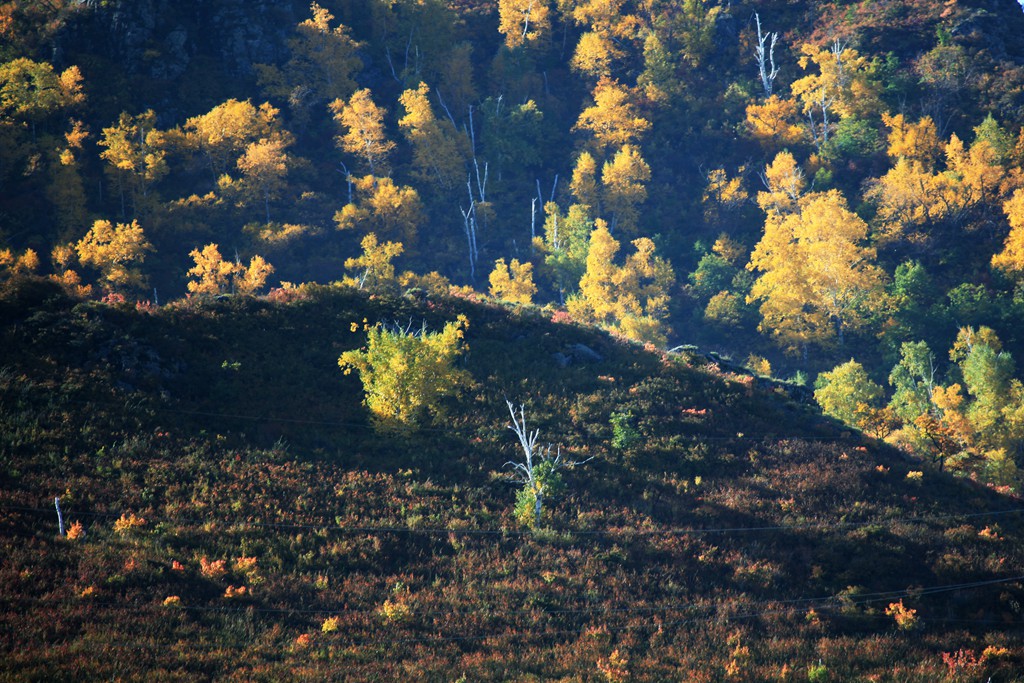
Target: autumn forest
<point>286,288</point>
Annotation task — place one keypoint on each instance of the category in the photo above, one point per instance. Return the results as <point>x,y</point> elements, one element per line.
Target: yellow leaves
<point>772,122</point>
<point>254,276</point>
<point>264,161</point>
<point>584,180</point>
<point>23,264</point>
<point>786,183</point>
<point>623,179</point>
<point>406,373</point>
<point>817,277</point>
<point>729,249</point>
<point>128,522</point>
<point>906,619</point>
<point>385,208</point>
<point>70,81</point>
<point>908,198</point>
<point>913,141</point>
<point>322,64</point>
<point>212,270</point>
<point>32,91</point>
<point>724,190</point>
<point>217,276</point>
<point>373,270</point>
<point>631,299</point>
<point>116,250</point>
<point>227,129</point>
<point>439,150</point>
<point>613,119</point>
<point>1011,259</point>
<point>363,122</point>
<point>523,22</point>
<point>264,166</point>
<point>513,282</point>
<point>77,136</point>
<point>594,54</point>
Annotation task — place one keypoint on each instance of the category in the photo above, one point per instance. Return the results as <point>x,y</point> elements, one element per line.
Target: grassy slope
<point>230,430</point>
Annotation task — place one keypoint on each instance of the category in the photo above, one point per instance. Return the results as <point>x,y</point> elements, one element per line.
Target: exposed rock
<point>584,354</point>
<point>160,40</point>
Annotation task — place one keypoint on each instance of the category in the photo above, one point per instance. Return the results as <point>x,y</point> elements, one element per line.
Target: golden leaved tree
<point>116,250</point>
<point>612,121</point>
<point>321,68</point>
<point>524,22</point>
<point>512,282</point>
<point>841,87</point>
<point>773,122</point>
<point>817,277</point>
<point>406,373</point>
<point>439,150</point>
<point>363,124</point>
<point>913,141</point>
<point>373,269</point>
<point>222,134</point>
<point>631,299</point>
<point>623,180</point>
<point>218,276</point>
<point>1011,259</point>
<point>382,207</point>
<point>264,167</point>
<point>134,152</point>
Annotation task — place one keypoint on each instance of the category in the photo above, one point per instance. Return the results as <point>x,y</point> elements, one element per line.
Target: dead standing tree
<point>539,473</point>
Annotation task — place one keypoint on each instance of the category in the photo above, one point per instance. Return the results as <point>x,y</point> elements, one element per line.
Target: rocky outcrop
<point>162,39</point>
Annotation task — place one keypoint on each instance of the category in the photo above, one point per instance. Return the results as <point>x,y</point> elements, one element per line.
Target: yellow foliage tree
<point>384,208</point>
<point>66,190</point>
<point>1011,259</point>
<point>907,198</point>
<point>254,276</point>
<point>136,157</point>
<point>584,181</point>
<point>817,274</point>
<point>595,53</point>
<point>363,123</point>
<point>116,251</point>
<point>786,184</point>
<point>264,166</point>
<point>913,141</point>
<point>631,299</point>
<point>723,196</point>
<point>512,282</point>
<point>373,269</point>
<point>213,271</point>
<point>222,134</point>
<point>31,91</point>
<point>840,87</point>
<point>613,119</point>
<point>218,276</point>
<point>772,122</point>
<point>523,22</point>
<point>407,373</point>
<point>623,181</point>
<point>61,256</point>
<point>13,264</point>
<point>321,68</point>
<point>439,150</point>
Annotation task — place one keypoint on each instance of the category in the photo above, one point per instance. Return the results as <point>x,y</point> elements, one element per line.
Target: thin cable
<point>694,531</point>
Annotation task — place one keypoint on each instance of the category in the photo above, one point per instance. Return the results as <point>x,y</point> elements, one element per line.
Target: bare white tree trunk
<point>60,515</point>
<point>766,58</point>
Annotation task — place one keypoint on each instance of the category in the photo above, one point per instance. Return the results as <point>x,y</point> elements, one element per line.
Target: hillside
<point>722,531</point>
